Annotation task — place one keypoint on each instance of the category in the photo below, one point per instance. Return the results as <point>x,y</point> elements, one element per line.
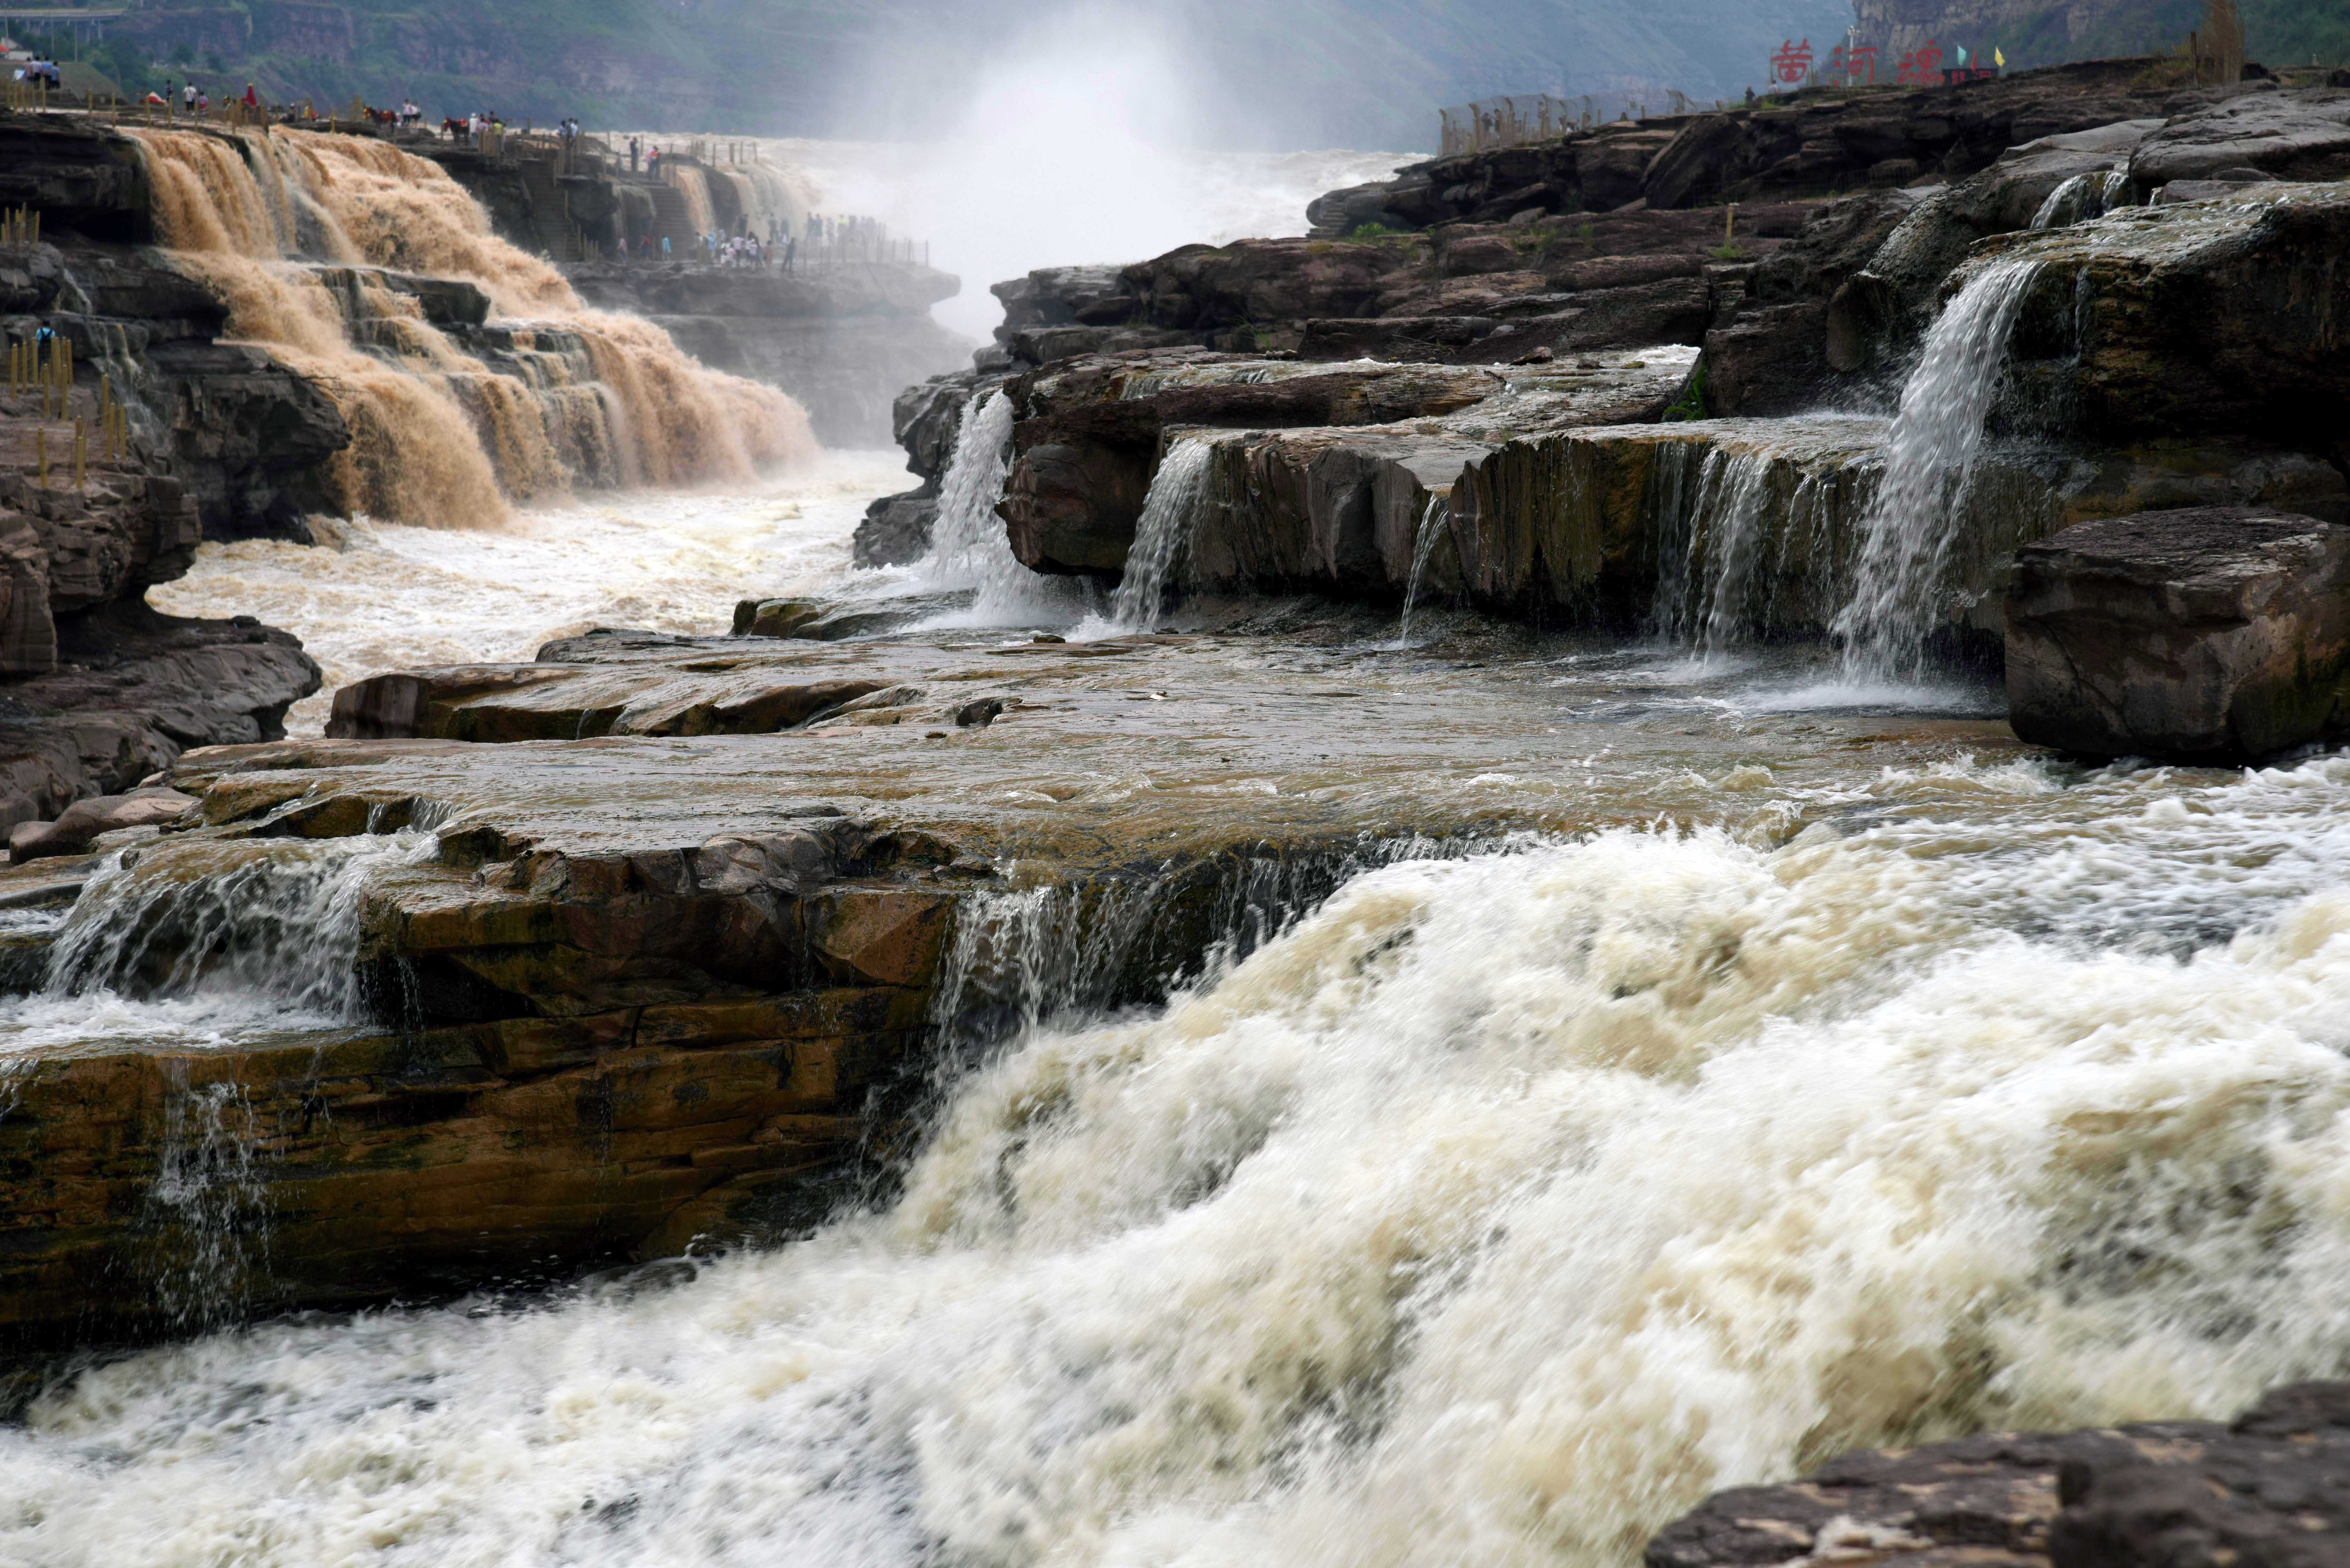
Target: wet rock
<point>2211,634</point>
<point>896,531</point>
<point>2270,1489</point>
<point>131,691</point>
<point>1808,144</point>
<point>2278,135</point>
<point>78,176</point>
<point>84,820</point>
<point>1092,432</point>
<point>1898,296</point>
<point>565,702</point>
<point>2190,320</point>
<point>249,434</point>
<point>411,1164</point>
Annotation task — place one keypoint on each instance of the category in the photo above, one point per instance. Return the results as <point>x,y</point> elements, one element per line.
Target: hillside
<point>1311,73</point>
<point>2044,32</point>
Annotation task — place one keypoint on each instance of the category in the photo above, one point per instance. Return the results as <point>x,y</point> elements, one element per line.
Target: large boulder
<point>2209,634</point>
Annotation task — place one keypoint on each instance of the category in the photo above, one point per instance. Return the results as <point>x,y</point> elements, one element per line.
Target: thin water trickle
<point>1906,533</point>
<point>1163,535</point>
<point>2080,198</point>
<point>1433,518</point>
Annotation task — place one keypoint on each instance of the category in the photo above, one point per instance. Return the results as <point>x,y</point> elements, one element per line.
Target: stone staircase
<point>550,220</point>
<point>674,219</point>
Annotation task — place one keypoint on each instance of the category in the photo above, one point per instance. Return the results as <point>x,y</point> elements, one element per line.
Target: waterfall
<point>1163,535</point>
<point>265,928</point>
<point>1906,532</point>
<point>1701,591</point>
<point>968,548</point>
<point>1432,520</point>
<point>1493,1213</point>
<point>274,223</point>
<point>207,1214</point>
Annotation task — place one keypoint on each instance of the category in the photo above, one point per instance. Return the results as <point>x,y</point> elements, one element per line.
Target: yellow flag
<point>1998,58</point>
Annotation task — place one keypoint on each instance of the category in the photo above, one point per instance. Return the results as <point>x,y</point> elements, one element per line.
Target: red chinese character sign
<point>1863,59</point>
<point>1922,67</point>
<point>1793,62</point>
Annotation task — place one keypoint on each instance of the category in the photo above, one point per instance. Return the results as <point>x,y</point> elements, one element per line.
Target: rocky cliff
<point>101,692</point>
<point>1542,416</point>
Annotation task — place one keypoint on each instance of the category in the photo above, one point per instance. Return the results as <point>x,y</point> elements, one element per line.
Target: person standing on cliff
<point>634,144</point>
<point>191,97</point>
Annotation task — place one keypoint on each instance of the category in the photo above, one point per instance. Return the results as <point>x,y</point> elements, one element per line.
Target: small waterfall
<point>1433,519</point>
<point>1701,593</point>
<point>266,929</point>
<point>2080,198</point>
<point>968,549</point>
<point>1163,535</point>
<point>1906,534</point>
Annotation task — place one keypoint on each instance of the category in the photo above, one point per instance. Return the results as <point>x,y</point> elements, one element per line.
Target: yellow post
<point>1729,220</point>
<point>81,451</point>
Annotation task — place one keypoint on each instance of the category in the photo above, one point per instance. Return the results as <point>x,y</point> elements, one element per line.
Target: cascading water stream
<point>261,928</point>
<point>1163,534</point>
<point>1906,533</point>
<point>1433,519</point>
<point>1490,1215</point>
<point>1701,596</point>
<point>272,223</point>
<point>968,549</point>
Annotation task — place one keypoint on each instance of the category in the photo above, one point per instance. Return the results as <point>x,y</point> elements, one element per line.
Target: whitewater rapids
<point>378,597</point>
<point>1496,1212</point>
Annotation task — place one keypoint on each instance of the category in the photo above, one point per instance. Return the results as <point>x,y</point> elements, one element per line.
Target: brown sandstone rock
<point>2209,634</point>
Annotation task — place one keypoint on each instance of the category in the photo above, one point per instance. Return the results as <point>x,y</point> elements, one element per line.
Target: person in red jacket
<point>251,101</point>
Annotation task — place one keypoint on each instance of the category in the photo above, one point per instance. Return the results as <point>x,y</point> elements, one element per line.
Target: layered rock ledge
<point>668,982</point>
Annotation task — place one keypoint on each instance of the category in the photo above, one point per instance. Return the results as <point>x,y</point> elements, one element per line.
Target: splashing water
<point>1433,518</point>
<point>1491,1215</point>
<point>274,223</point>
<point>968,549</point>
<point>1163,534</point>
<point>1906,534</point>
<point>201,943</point>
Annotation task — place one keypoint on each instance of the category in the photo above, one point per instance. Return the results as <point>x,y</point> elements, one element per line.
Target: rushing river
<point>1498,1211</point>
<point>1490,1213</point>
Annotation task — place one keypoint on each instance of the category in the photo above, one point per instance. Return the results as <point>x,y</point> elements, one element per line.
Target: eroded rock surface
<point>1806,145</point>
<point>2271,1489</point>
